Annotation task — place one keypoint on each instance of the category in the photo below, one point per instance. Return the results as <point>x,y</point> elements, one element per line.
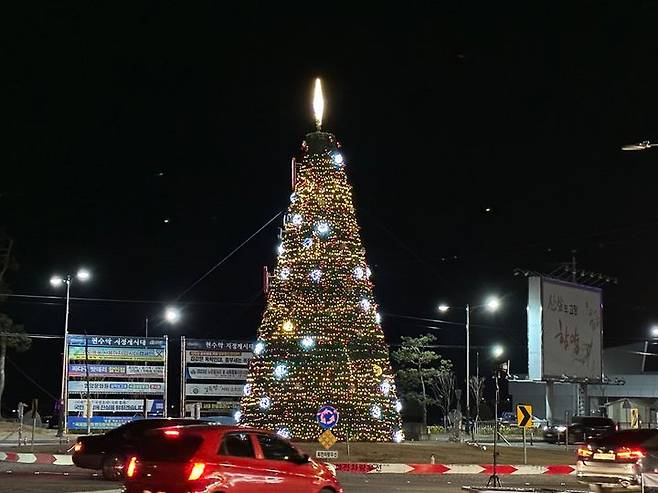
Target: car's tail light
<point>197,471</point>
<point>630,454</point>
<point>172,433</point>
<point>132,467</point>
<point>77,447</point>
<point>584,453</point>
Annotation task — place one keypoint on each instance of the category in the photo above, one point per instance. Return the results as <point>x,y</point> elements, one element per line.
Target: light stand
<point>501,371</point>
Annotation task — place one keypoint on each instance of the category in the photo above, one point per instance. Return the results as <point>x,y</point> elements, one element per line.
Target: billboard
<point>122,377</point>
<point>116,405</point>
<point>213,389</point>
<point>210,373</point>
<point>79,423</point>
<point>218,357</point>
<point>141,388</point>
<point>137,371</point>
<point>213,375</point>
<point>564,330</point>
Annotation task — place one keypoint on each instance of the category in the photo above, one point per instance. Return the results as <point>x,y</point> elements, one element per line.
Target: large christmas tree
<point>320,341</point>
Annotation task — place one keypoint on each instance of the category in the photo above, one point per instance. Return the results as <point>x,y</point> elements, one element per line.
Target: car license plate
<point>602,456</point>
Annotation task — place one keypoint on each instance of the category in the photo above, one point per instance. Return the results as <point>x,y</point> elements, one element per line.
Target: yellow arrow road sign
<point>524,415</point>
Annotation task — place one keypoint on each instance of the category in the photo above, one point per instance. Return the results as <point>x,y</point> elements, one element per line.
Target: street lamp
<point>82,275</point>
<point>171,315</point>
<point>654,331</point>
<point>492,304</point>
<point>497,351</point>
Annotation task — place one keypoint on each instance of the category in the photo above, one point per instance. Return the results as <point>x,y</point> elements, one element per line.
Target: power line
<point>118,300</point>
<point>212,269</point>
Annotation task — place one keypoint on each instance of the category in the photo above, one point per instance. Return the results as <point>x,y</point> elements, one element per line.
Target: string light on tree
<point>368,272</point>
<point>307,342</point>
<point>297,219</point>
<point>259,347</point>
<point>338,160</point>
<point>398,406</point>
<point>378,318</point>
<point>280,371</point>
<point>283,432</point>
<point>237,415</point>
<point>264,402</point>
<point>398,436</point>
<point>323,330</point>
<point>322,228</point>
<point>280,249</point>
<point>246,390</point>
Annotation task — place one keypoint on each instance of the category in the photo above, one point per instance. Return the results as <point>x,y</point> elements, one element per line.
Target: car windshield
<point>629,438</point>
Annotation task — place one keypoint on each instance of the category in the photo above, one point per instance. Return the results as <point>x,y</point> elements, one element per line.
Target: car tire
<point>327,490</point>
<point>112,467</point>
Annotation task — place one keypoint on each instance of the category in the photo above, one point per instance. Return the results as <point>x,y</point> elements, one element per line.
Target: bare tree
<point>476,386</point>
<point>443,388</point>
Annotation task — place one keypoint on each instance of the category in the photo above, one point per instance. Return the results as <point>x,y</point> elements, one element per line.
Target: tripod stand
<point>494,479</point>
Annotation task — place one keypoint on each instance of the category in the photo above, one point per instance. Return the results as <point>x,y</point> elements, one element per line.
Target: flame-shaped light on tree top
<point>318,103</point>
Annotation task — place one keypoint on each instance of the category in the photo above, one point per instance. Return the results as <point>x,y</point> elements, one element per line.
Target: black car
<point>581,429</point>
<point>109,451</point>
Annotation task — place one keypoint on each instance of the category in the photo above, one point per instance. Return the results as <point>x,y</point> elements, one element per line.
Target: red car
<point>224,459</point>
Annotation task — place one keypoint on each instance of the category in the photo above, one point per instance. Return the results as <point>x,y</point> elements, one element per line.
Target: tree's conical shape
<point>320,341</point>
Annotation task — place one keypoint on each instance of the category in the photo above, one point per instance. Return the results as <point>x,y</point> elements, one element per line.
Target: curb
<point>351,467</point>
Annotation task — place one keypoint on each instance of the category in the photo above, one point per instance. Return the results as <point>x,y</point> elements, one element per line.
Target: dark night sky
<point>443,110</point>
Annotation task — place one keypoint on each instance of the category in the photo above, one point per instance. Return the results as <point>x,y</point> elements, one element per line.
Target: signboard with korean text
<point>137,371</point>
<point>123,377</point>
<point>213,389</point>
<point>564,330</point>
<point>218,357</point>
<point>139,388</point>
<point>205,373</point>
<point>117,405</point>
<point>214,373</point>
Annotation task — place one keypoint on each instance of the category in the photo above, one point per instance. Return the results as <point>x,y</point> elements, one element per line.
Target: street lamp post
<point>492,304</point>
<point>56,281</point>
<point>171,315</point>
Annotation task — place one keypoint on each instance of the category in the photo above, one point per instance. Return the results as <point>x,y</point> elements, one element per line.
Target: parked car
<point>108,452</point>
<point>227,459</point>
<point>617,460</point>
<point>507,418</point>
<point>581,429</point>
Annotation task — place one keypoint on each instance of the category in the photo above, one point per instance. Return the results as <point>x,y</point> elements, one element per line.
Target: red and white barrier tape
<point>352,467</point>
<point>379,468</point>
<point>24,458</point>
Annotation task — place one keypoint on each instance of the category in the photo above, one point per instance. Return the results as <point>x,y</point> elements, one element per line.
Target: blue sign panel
<point>76,423</point>
<point>117,341</point>
<point>327,417</point>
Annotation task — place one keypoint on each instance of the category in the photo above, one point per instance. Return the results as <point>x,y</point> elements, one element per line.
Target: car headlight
<point>560,429</point>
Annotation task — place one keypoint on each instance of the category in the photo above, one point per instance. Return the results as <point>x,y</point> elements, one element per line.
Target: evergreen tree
<point>320,341</point>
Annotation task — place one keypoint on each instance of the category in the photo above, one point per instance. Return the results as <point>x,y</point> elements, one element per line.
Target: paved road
<point>21,478</point>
